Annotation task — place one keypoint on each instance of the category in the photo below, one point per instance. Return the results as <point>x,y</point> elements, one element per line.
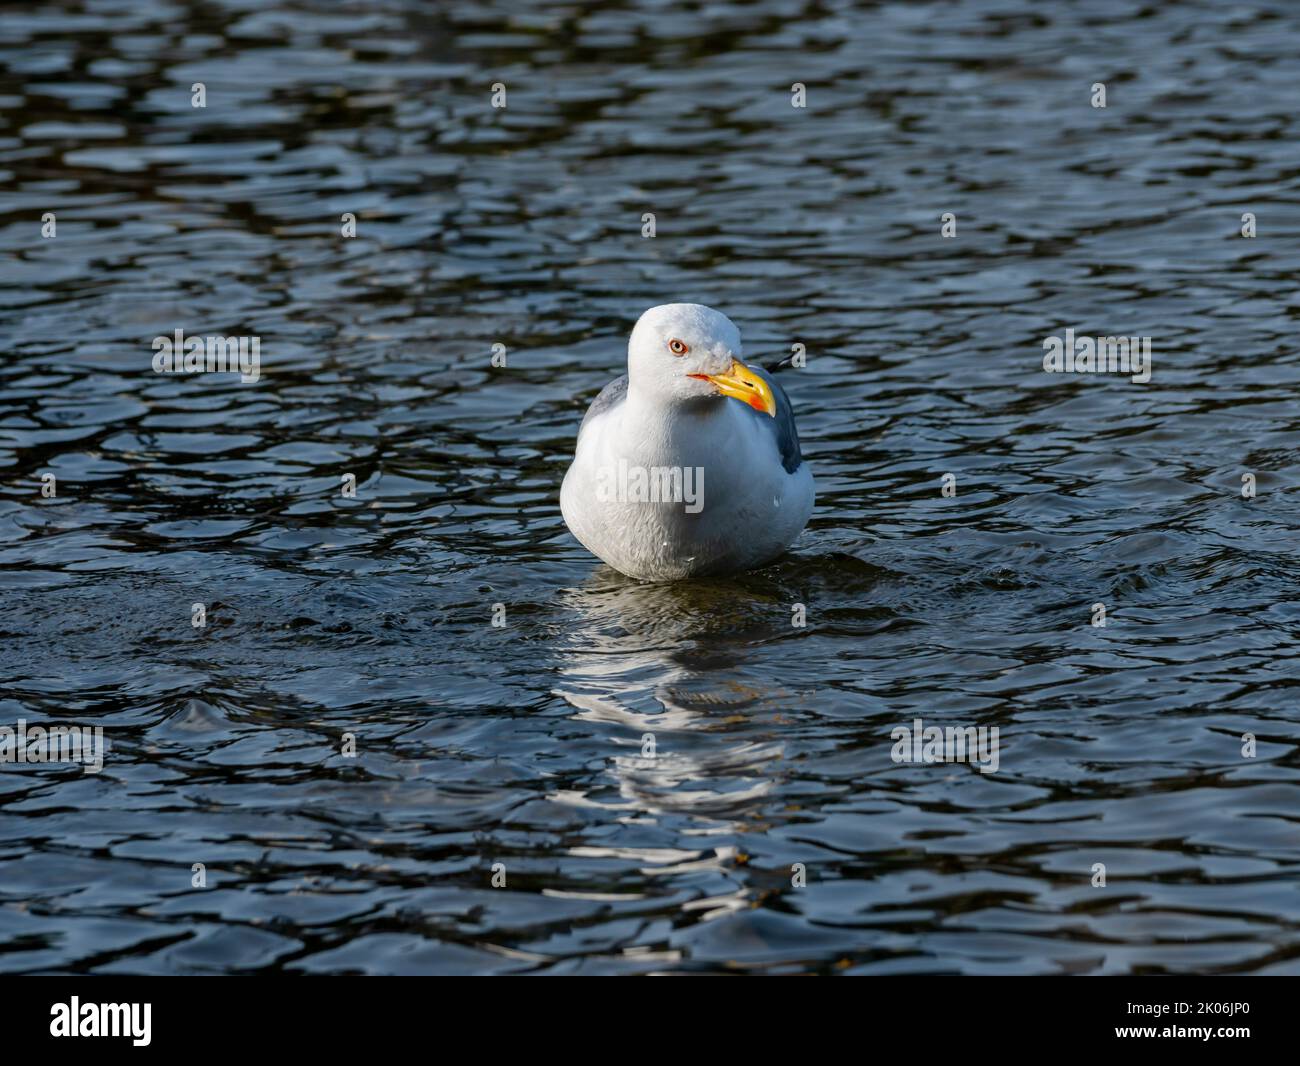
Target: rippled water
<point>522,745</point>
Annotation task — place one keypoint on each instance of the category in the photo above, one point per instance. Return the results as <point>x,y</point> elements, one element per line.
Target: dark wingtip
<point>775,367</point>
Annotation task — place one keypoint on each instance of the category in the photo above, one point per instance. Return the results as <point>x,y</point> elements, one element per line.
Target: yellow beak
<point>741,383</point>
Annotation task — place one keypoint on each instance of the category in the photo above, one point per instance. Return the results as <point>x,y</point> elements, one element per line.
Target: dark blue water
<point>521,746</point>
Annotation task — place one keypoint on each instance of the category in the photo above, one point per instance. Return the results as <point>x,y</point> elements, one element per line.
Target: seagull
<point>689,464</point>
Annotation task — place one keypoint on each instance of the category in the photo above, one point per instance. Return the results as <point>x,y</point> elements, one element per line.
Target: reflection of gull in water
<point>660,667</point>
<point>642,626</point>
<point>693,772</point>
<point>677,662</point>
<point>670,752</point>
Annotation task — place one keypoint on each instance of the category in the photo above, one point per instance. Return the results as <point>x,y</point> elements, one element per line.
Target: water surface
<point>522,745</point>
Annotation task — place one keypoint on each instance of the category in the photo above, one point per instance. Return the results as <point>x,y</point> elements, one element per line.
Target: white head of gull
<point>689,464</point>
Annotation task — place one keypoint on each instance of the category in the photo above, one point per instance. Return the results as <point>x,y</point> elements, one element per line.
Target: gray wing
<point>610,397</point>
<point>787,436</point>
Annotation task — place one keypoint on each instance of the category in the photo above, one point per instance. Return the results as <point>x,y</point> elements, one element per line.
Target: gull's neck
<point>642,408</point>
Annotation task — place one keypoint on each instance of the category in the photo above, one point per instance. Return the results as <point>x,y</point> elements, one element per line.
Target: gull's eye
<point>677,347</point>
